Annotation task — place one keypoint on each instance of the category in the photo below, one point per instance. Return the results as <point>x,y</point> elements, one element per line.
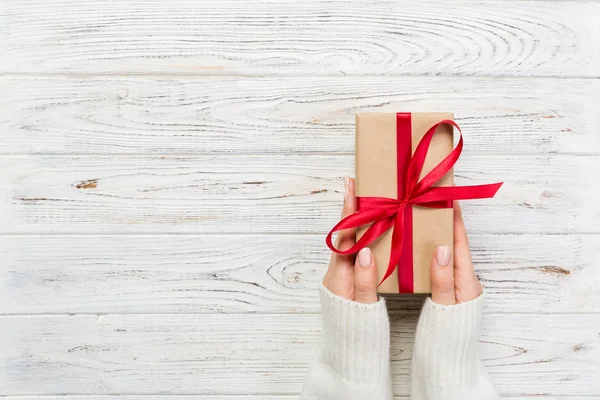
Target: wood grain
<point>150,115</point>
<point>270,194</point>
<point>541,38</point>
<point>218,354</point>
<point>266,273</point>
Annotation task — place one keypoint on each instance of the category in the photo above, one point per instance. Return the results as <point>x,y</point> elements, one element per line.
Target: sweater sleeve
<point>446,363</point>
<point>353,356</point>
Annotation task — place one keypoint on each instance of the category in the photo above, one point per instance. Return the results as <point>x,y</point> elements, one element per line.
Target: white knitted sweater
<point>353,357</point>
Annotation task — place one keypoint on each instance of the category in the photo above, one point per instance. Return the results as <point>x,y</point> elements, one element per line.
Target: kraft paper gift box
<point>417,210</point>
<point>377,175</point>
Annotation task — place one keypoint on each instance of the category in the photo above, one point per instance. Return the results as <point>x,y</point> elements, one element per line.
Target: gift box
<point>405,189</point>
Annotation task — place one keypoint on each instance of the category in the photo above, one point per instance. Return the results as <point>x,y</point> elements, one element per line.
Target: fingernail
<point>347,186</point>
<point>364,257</point>
<point>442,256</point>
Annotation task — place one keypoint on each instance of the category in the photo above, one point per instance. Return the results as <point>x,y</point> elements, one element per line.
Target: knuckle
<point>444,285</point>
<point>364,286</point>
<point>345,243</point>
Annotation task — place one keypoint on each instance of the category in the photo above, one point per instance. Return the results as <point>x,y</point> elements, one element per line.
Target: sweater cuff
<point>356,338</point>
<point>446,350</point>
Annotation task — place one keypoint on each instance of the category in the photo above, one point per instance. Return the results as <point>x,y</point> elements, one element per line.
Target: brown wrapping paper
<point>376,175</point>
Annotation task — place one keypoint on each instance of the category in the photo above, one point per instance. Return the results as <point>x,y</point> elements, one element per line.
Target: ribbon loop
<point>384,213</point>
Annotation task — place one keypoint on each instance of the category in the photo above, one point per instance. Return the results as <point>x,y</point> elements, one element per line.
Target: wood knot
<point>89,184</point>
<point>553,269</point>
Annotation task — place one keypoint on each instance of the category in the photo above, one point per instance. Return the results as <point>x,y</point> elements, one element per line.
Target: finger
<point>442,277</point>
<point>466,282</point>
<point>462,254</point>
<point>463,265</point>
<point>365,277</point>
<point>339,278</point>
<point>347,237</point>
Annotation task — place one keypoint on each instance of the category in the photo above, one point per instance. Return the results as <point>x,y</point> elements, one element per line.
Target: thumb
<point>442,277</point>
<point>365,277</point>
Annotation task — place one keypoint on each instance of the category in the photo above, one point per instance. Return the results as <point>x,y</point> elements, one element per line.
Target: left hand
<point>349,276</point>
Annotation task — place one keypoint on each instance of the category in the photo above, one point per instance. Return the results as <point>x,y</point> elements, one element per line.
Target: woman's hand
<point>351,277</point>
<point>454,281</point>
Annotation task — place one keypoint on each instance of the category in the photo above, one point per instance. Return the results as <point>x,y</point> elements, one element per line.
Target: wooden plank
<point>232,354</point>
<point>128,115</point>
<point>268,194</point>
<point>286,37</point>
<point>232,274</point>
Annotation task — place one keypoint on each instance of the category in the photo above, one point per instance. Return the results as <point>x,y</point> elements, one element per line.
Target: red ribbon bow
<point>384,213</point>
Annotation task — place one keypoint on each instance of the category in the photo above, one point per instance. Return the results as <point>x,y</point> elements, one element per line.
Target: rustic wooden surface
<point>264,273</point>
<point>196,115</point>
<point>261,37</point>
<point>226,354</point>
<point>168,171</point>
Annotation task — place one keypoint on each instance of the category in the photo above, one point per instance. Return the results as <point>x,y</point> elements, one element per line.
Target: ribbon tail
<point>375,216</point>
<point>397,244</point>
<point>444,193</point>
<point>373,232</point>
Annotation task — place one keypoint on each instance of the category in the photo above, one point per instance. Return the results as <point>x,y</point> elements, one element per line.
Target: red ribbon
<point>384,213</point>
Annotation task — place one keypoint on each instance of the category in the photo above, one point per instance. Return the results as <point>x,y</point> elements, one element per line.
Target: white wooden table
<point>169,169</point>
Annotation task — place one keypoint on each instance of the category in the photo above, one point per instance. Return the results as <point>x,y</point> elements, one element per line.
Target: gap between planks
<point>271,396</point>
<point>266,233</point>
<point>266,154</point>
<point>394,313</point>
